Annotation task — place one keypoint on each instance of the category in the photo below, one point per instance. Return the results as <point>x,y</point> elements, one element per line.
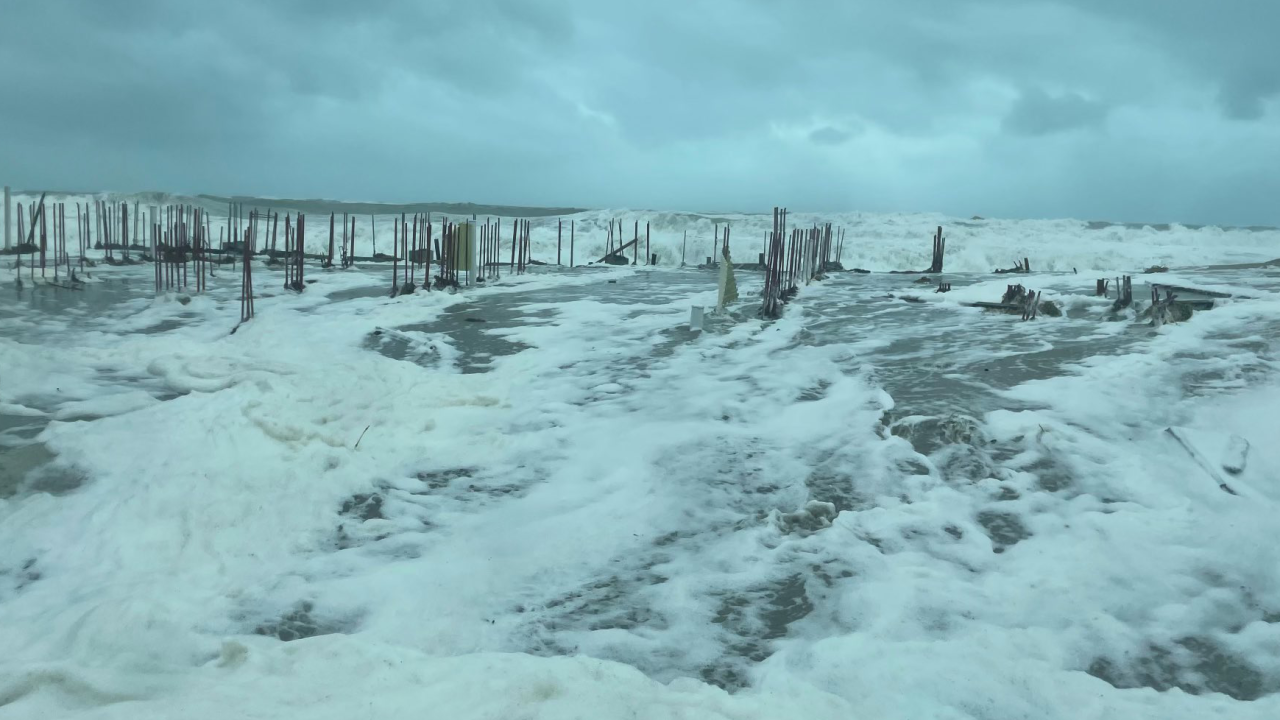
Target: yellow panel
<point>465,231</point>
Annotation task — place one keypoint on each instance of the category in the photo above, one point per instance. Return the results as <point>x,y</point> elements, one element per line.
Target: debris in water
<point>1199,459</point>
<point>1236,455</point>
<point>695,318</point>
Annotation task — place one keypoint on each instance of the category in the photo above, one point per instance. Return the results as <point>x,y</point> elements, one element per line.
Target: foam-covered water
<point>550,498</point>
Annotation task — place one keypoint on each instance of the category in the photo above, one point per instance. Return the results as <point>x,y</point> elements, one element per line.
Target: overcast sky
<point>1147,110</point>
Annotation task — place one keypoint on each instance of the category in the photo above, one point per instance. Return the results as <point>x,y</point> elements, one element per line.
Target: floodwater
<point>743,508</point>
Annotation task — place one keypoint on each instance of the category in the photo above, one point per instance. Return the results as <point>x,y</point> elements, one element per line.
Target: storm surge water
<point>549,498</point>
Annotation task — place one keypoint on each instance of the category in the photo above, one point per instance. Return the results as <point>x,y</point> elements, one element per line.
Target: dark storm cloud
<point>1231,44</point>
<point>1146,109</point>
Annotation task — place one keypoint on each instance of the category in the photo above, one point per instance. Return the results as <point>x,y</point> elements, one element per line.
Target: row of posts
<point>804,256</point>
<point>114,233</point>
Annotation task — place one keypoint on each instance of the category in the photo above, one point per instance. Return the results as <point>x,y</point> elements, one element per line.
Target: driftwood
<point>1018,300</point>
<point>1021,268</point>
<point>1001,307</point>
<point>1196,291</point>
<point>618,256</point>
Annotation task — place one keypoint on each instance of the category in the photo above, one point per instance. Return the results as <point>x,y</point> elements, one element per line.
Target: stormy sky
<point>1151,110</point>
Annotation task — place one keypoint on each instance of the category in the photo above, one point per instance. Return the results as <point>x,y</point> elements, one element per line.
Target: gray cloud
<point>1245,93</point>
<point>1038,113</point>
<point>827,135</point>
<point>960,106</point>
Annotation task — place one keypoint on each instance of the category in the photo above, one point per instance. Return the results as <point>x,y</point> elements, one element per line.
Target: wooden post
<point>439,241</point>
<point>329,262</point>
<point>288,246</point>
<point>571,226</point>
<point>514,232</point>
<point>373,230</point>
<point>441,247</point>
<point>246,284</point>
<point>44,236</point>
<point>559,236</point>
<point>21,234</point>
<point>936,265</point>
<point>8,208</point>
<point>646,243</point>
<point>156,255</point>
<point>66,257</point>
<point>299,242</point>
<point>684,245</point>
<point>207,243</point>
<point>32,213</point>
<point>57,207</point>
<point>635,250</point>
<point>413,262</point>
